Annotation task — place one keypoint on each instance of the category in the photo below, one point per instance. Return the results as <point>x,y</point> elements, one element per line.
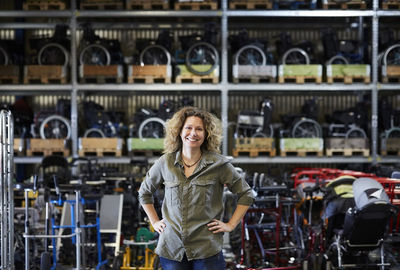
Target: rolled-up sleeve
<point>237,185</point>
<point>150,184</point>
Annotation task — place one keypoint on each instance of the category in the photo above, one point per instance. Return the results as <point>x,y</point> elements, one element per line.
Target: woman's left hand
<point>217,226</point>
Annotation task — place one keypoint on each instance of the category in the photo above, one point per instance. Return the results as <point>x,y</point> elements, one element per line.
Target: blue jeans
<point>215,262</point>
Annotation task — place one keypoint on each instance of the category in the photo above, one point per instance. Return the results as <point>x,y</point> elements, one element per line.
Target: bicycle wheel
<point>55,127</point>
<point>155,55</point>
<point>355,132</point>
<point>3,57</point>
<point>268,133</point>
<point>94,133</point>
<point>295,56</point>
<point>392,56</point>
<point>95,54</point>
<point>202,58</point>
<point>306,128</point>
<point>393,133</point>
<point>250,55</point>
<point>53,54</point>
<point>152,127</point>
<point>337,59</point>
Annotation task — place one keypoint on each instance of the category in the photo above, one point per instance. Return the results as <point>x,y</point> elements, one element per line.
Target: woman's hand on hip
<point>159,226</point>
<point>217,226</point>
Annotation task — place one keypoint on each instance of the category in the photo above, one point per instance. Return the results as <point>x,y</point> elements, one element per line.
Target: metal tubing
<point>7,193</point>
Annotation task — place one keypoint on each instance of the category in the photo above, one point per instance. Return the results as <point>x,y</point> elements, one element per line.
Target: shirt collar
<point>206,159</point>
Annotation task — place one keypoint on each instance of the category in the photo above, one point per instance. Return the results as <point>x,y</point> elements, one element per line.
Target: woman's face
<point>193,132</point>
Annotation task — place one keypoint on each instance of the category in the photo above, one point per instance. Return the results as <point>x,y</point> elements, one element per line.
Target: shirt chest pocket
<point>201,192</point>
<point>171,193</point>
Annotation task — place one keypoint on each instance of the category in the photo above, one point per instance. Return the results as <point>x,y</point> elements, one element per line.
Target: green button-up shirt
<point>190,203</point>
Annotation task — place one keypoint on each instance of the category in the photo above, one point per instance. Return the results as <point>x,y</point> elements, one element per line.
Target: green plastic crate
<point>145,144</point>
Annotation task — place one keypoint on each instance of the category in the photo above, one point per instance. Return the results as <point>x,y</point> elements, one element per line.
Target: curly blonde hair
<point>212,126</point>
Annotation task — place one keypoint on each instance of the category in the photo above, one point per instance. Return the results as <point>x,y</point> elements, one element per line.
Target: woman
<point>194,175</point>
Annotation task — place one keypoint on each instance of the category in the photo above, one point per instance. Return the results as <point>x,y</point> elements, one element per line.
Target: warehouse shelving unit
<point>224,88</point>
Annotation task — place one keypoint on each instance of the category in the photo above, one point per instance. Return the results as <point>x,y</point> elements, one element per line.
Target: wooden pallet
<point>390,74</point>
<point>44,5</point>
<point>45,74</point>
<point>100,147</point>
<point>301,153</point>
<point>347,152</point>
<point>102,5</point>
<point>391,4</point>
<point>46,147</point>
<point>254,80</point>
<point>301,147</point>
<point>149,74</point>
<point>9,74</point>
<point>254,147</point>
<point>300,73</point>
<point>183,75</point>
<point>101,74</point>
<point>254,74</point>
<point>147,5</point>
<point>205,5</point>
<point>349,5</point>
<point>254,152</point>
<point>260,4</point>
<point>390,146</point>
<point>95,152</point>
<point>196,79</point>
<point>348,79</point>
<point>299,79</point>
<point>348,74</point>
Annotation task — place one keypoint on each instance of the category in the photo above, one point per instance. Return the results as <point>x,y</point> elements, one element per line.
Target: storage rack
<point>224,87</point>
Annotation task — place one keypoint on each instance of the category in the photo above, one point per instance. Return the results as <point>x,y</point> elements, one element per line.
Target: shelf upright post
<point>74,105</point>
<point>224,75</point>
<point>374,97</point>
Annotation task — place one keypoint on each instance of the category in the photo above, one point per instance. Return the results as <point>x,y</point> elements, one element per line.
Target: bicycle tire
<point>394,132</point>
<point>252,47</point>
<point>94,130</point>
<point>355,130</point>
<point>213,66</point>
<point>95,60</point>
<point>317,129</point>
<point>337,57</point>
<point>294,50</point>
<point>149,120</point>
<point>56,45</point>
<point>385,62</point>
<point>60,118</point>
<point>150,47</point>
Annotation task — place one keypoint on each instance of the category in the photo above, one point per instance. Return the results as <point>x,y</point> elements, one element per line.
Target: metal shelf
<point>300,13</point>
<point>388,13</point>
<point>300,87</point>
<point>196,87</point>
<point>150,13</point>
<point>102,160</point>
<point>389,160</point>
<point>148,87</point>
<point>36,14</point>
<point>224,14</point>
<point>388,86</point>
<point>288,160</point>
<point>36,87</point>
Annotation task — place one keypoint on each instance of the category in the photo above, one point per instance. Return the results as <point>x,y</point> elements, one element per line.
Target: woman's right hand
<point>159,226</point>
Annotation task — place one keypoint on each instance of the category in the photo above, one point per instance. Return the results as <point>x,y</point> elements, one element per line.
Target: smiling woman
<point>194,175</point>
